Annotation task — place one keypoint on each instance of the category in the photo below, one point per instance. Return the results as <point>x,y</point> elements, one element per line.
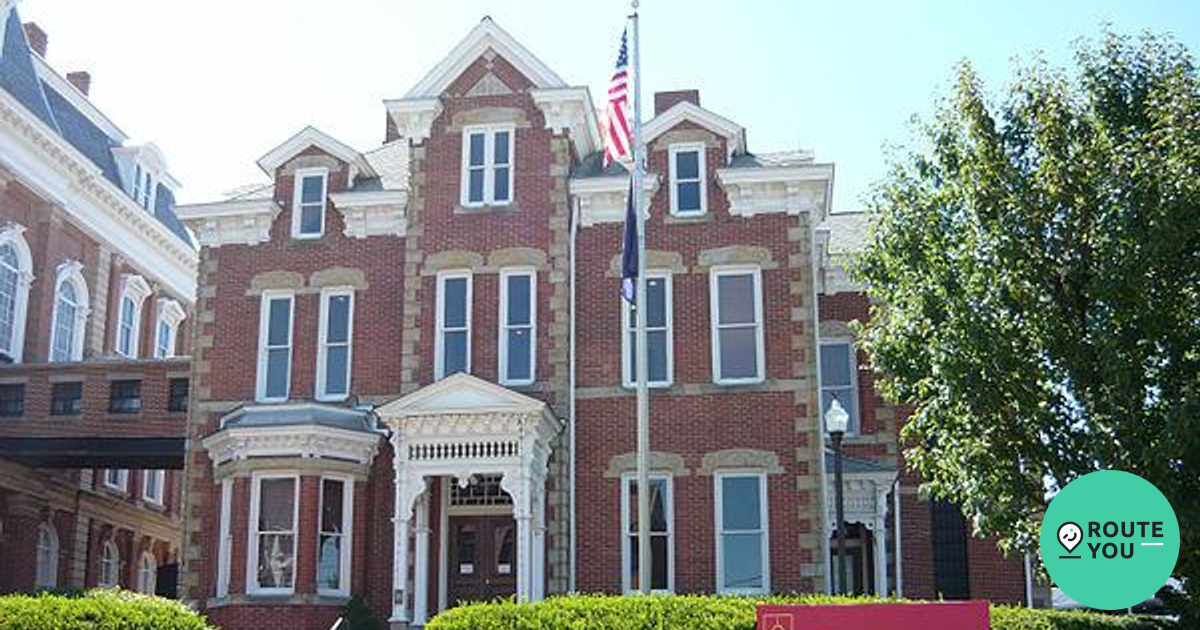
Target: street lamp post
<point>836,420</point>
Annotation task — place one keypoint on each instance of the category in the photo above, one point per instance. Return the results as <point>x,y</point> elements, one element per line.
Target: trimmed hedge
<point>99,609</point>
<point>697,612</point>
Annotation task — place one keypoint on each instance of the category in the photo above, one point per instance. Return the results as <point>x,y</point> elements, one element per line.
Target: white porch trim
<point>459,427</point>
<point>866,502</point>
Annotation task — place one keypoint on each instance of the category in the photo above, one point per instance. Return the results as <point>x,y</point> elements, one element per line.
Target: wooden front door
<point>483,558</point>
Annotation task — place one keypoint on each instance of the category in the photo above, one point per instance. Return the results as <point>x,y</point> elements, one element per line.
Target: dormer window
<point>487,173</point>
<point>308,203</point>
<point>143,191</point>
<point>688,191</point>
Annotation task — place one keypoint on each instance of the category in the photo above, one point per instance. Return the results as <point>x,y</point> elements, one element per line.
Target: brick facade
<point>700,429</point>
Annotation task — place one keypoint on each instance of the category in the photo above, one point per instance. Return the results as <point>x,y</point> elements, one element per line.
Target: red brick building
<point>97,279</point>
<point>412,368</point>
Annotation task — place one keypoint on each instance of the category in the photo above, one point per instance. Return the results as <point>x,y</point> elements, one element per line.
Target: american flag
<point>617,137</point>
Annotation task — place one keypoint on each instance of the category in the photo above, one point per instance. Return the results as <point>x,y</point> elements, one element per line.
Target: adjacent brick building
<point>412,375</point>
<point>97,278</point>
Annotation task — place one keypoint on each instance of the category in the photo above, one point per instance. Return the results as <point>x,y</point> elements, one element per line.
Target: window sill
<point>740,382</point>
<point>694,217</point>
<point>491,208</point>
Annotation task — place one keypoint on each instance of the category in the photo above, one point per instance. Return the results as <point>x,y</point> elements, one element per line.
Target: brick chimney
<point>666,100</point>
<point>81,79</point>
<point>38,40</point>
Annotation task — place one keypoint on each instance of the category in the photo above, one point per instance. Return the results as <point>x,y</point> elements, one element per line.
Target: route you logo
<point>1110,540</point>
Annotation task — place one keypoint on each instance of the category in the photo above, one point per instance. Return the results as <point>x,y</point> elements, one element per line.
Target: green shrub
<point>697,612</point>
<point>99,609</point>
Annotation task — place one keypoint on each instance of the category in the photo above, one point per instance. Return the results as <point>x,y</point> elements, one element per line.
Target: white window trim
<point>122,484</point>
<point>13,236</point>
<point>46,576</point>
<point>719,526</point>
<point>627,330</point>
<point>110,547</point>
<point>855,425</point>
<point>323,348</point>
<point>252,587</point>
<point>147,580</point>
<point>714,323</point>
<point>135,289</point>
<point>502,316</point>
<point>627,511</point>
<point>264,317</point>
<point>439,367</point>
<point>170,314</point>
<point>489,164</point>
<point>297,190</point>
<point>161,476</point>
<point>225,539</point>
<point>72,272</point>
<point>702,172</point>
<point>347,546</point>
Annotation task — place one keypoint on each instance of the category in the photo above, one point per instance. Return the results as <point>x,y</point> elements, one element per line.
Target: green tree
<point>1036,264</point>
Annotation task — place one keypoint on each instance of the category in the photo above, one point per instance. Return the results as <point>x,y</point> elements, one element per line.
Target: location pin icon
<point>1069,536</point>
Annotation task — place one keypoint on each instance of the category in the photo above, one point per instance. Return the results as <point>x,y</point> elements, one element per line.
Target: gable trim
<point>308,137</point>
<point>734,134</point>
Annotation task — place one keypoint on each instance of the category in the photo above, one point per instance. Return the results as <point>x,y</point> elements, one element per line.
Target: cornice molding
<point>414,117</point>
<point>47,164</point>
<point>570,109</point>
<point>304,441</point>
<point>603,199</point>
<point>376,213</point>
<point>789,190</point>
<point>240,222</point>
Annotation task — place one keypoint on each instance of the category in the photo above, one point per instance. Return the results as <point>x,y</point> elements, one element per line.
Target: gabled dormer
<point>143,171</point>
<point>311,174</point>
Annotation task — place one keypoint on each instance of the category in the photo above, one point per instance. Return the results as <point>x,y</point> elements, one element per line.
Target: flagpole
<point>643,394</point>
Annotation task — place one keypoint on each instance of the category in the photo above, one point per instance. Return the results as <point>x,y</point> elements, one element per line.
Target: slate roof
<point>390,162</point>
<point>593,166</point>
<point>300,415</point>
<point>19,78</point>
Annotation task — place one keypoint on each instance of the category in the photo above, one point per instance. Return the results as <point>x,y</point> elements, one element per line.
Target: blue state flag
<point>629,257</point>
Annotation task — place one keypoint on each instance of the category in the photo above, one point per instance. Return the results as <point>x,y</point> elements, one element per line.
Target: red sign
<point>933,616</point>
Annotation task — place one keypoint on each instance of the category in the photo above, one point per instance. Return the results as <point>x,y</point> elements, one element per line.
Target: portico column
<point>538,557</point>
<point>421,579</point>
<point>519,487</point>
<point>879,536</point>
<point>401,516</point>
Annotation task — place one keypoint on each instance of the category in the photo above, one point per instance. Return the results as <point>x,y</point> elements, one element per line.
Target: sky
<point>218,83</point>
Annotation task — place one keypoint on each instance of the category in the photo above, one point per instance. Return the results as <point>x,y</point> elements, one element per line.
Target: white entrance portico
<point>458,428</point>
<point>866,488</point>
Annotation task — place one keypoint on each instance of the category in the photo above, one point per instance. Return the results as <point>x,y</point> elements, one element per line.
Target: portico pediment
<point>461,394</point>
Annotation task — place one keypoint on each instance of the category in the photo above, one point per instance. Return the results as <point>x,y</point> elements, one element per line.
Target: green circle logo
<point>1110,539</point>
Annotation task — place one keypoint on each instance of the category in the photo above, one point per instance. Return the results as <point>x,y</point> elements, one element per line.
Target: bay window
<point>333,544</point>
<point>274,502</point>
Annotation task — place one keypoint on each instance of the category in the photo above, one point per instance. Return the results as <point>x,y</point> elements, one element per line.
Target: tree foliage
<point>1036,267</point>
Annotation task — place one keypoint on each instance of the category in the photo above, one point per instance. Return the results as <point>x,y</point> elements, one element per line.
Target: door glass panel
<point>466,541</point>
<point>504,549</point>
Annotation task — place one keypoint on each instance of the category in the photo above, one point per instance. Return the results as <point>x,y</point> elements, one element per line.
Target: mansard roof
<point>52,99</point>
<point>486,35</point>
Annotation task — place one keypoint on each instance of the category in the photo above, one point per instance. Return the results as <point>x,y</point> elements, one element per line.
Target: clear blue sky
<point>217,83</point>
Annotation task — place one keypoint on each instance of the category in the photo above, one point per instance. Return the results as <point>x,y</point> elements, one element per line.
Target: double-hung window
<point>333,546</point>
<point>170,315</point>
<point>737,325</point>
<point>333,351</point>
<point>308,203</point>
<point>134,291</point>
<point>689,196</point>
<point>116,479</point>
<point>742,565</point>
<point>662,534</point>
<point>275,346</point>
<point>487,167</point>
<point>110,566</point>
<point>154,485</point>
<point>274,501</point>
<point>659,343</point>
<point>452,352</point>
<point>838,379</point>
<point>518,326</point>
